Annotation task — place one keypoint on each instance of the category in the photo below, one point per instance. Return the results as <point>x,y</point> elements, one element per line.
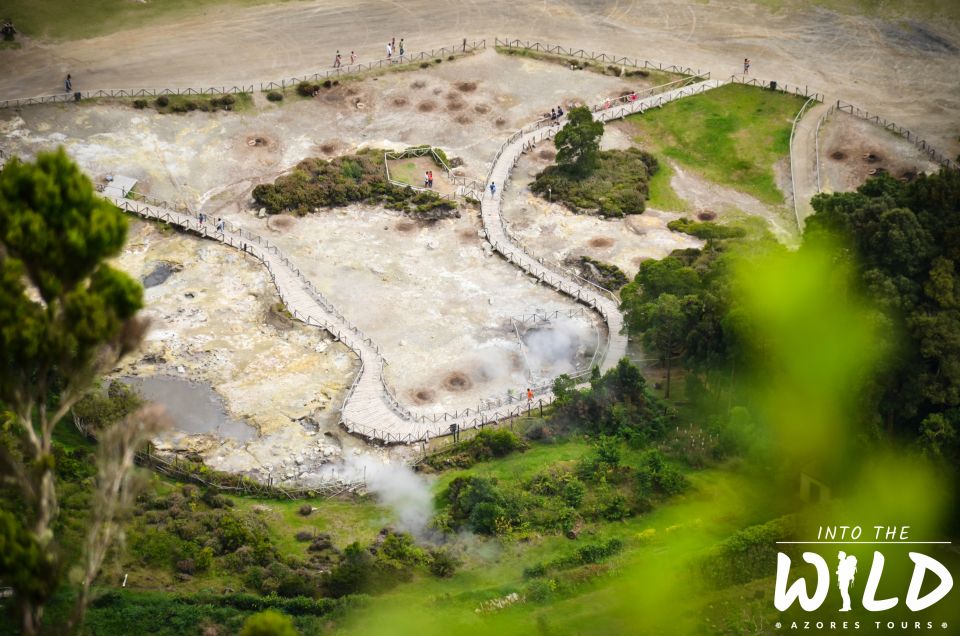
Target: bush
<point>186,566</point>
<point>163,101</point>
<point>140,104</point>
<point>443,563</point>
<point>306,89</point>
<point>274,96</point>
<point>424,64</point>
<point>619,185</point>
<point>540,590</point>
<point>706,229</point>
<point>327,84</point>
<point>304,536</point>
<point>306,510</point>
<point>268,623</point>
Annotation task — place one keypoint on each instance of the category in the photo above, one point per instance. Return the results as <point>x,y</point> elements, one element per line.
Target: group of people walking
<point>393,50</point>
<point>338,61</point>
<point>202,218</point>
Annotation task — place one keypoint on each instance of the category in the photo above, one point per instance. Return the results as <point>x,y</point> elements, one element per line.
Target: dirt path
<point>892,68</point>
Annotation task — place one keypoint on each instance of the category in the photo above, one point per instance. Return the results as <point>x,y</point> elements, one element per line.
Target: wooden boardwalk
<point>370,409</point>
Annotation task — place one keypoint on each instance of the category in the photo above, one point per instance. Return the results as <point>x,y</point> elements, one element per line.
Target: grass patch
<point>706,229</point>
<point>406,171</point>
<point>9,45</point>
<point>344,521</point>
<point>662,194</point>
<point>166,104</point>
<point>656,77</point>
<point>617,187</point>
<point>733,135</point>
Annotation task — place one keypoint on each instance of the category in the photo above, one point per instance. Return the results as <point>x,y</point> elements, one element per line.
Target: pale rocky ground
<point>851,149</point>
<point>214,322</point>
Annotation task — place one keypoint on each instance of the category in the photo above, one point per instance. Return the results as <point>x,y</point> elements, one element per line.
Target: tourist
<point>401,47</point>
<point>220,225</point>
<point>353,57</point>
<point>430,178</point>
<point>336,60</point>
<point>493,189</point>
<point>559,112</point>
<point>68,83</point>
<point>201,217</point>
<point>426,178</point>
<point>389,51</point>
<point>746,66</point>
<point>553,114</point>
<point>529,395</point>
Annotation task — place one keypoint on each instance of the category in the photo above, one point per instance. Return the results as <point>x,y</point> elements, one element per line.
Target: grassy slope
<point>595,602</point>
<point>73,20</point>
<point>732,135</point>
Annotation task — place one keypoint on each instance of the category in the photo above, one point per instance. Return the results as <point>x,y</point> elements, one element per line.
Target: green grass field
<point>732,135</point>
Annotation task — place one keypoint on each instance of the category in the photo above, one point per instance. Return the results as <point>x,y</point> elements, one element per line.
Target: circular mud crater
<point>405,226</point>
<point>423,396</point>
<point>706,215</point>
<point>466,87</point>
<point>601,241</point>
<point>426,107</point>
<point>400,101</point>
<point>457,381</point>
<point>838,155</point>
<point>483,109</point>
<point>259,141</point>
<point>281,222</point>
<point>418,85</point>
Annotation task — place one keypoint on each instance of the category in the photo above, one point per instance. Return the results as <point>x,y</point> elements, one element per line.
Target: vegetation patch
<point>619,185</point>
<point>595,66</point>
<point>605,275</point>
<point>361,178</point>
<point>166,104</point>
<point>486,444</point>
<point>706,229</point>
<point>733,135</point>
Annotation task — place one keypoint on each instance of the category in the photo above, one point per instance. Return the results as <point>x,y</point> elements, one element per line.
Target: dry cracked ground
<point>437,302</point>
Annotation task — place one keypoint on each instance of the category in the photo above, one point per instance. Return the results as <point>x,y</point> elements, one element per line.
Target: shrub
<point>437,61</point>
<point>163,101</point>
<point>443,563</point>
<point>306,89</point>
<point>540,590</point>
<point>619,184</point>
<point>204,559</point>
<point>304,536</point>
<point>268,623</point>
<point>186,566</point>
<point>140,104</point>
<point>274,96</point>
<point>424,64</point>
<point>306,510</point>
<point>706,229</point>
<point>327,83</point>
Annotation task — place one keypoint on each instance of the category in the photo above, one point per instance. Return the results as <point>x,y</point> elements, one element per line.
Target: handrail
<point>816,143</point>
<point>793,163</point>
<point>282,84</point>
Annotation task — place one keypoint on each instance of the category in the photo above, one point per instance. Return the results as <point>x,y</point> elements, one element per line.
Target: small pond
<point>194,407</point>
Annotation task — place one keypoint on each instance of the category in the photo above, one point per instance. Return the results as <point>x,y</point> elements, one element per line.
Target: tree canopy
<point>578,143</point>
<point>65,316</point>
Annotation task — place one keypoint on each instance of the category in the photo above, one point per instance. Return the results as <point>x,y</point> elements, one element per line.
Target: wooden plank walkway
<point>370,409</point>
